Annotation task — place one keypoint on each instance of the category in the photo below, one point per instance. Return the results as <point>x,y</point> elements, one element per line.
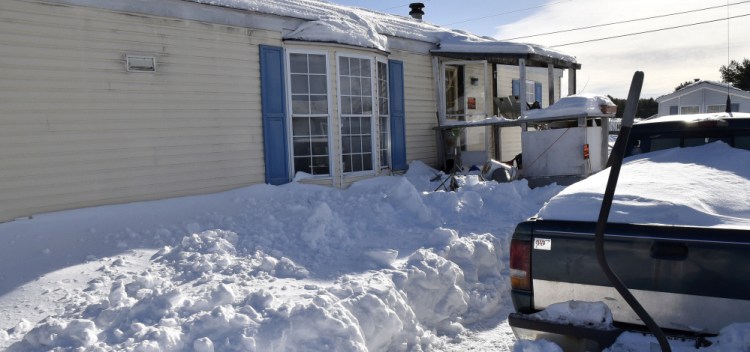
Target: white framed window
<point>690,109</point>
<point>384,115</point>
<point>356,107</point>
<point>530,92</point>
<point>716,108</point>
<point>722,108</point>
<point>308,94</point>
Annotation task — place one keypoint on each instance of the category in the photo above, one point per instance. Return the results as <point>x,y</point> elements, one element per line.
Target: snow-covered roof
<point>696,117</point>
<point>695,85</point>
<point>571,106</point>
<point>370,29</point>
<point>706,186</point>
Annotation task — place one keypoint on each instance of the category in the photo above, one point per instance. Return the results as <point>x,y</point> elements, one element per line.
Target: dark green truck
<point>692,279</point>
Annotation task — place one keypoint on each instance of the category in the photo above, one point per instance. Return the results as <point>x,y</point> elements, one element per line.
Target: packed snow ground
<point>388,264</point>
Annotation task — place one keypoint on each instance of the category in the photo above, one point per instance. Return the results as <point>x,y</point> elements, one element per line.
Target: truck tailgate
<point>687,278</point>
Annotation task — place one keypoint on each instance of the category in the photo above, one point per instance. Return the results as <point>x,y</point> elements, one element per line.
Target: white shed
<point>568,141</point>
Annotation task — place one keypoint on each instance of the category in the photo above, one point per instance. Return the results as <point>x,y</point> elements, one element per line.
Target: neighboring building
<point>703,97</point>
<point>112,101</point>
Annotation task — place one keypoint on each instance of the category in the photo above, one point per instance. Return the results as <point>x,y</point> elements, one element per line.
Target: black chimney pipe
<point>416,10</point>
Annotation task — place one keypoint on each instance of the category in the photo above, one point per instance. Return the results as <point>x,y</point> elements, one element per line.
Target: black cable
<point>627,21</point>
<point>506,13</point>
<point>650,31</point>
<point>404,5</point>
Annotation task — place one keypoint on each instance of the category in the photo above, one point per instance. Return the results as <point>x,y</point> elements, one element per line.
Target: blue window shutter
<point>538,92</point>
<point>516,88</point>
<point>273,109</point>
<point>673,110</point>
<point>735,107</point>
<point>398,115</point>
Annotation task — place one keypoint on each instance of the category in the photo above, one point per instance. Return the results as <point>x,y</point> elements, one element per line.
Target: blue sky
<point>667,57</point>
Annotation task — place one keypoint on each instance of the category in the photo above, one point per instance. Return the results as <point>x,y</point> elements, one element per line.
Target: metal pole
<point>615,162</point>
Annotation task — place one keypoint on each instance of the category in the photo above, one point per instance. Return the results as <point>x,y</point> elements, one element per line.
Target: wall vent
<point>138,63</point>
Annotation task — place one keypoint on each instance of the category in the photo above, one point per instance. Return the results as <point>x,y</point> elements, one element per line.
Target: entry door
<point>465,87</point>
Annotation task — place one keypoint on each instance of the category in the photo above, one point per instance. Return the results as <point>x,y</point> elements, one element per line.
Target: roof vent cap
<point>416,10</point>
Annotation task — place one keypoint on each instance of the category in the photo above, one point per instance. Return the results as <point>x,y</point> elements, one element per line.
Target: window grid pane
<point>355,80</point>
<point>309,113</point>
<point>384,116</point>
<point>687,110</point>
<point>530,92</point>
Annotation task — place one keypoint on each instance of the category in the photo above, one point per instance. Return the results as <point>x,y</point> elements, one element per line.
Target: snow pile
<point>588,314</point>
<point>479,121</point>
<point>573,105</point>
<point>536,346</point>
<point>700,186</point>
<point>735,337</point>
<point>342,30</point>
<point>202,295</point>
<point>367,28</point>
<point>388,264</point>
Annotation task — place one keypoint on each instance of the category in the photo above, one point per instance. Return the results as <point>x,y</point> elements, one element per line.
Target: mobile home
<point>112,101</point>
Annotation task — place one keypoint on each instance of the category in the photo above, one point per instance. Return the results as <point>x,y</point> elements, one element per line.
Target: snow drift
<point>387,264</point>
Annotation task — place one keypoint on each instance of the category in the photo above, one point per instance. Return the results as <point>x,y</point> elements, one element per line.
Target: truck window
<point>742,142</point>
<point>664,143</point>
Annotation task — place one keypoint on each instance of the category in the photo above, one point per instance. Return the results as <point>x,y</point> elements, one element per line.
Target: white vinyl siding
<point>79,130</point>
<point>420,106</point>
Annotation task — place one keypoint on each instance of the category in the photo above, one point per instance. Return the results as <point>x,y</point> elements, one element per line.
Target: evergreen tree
<point>737,74</point>
<point>684,84</point>
<point>646,107</point>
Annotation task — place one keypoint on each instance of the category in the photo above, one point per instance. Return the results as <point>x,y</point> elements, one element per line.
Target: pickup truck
<point>678,236</point>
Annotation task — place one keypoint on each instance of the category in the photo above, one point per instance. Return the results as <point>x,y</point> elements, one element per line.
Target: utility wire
<point>651,31</point>
<point>506,13</point>
<point>629,21</point>
<point>395,7</point>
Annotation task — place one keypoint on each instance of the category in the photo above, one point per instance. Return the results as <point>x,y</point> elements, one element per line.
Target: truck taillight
<point>520,264</point>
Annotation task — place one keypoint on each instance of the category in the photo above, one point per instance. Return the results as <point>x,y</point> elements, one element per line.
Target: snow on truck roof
<point>706,186</point>
<point>696,117</point>
<point>329,22</point>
